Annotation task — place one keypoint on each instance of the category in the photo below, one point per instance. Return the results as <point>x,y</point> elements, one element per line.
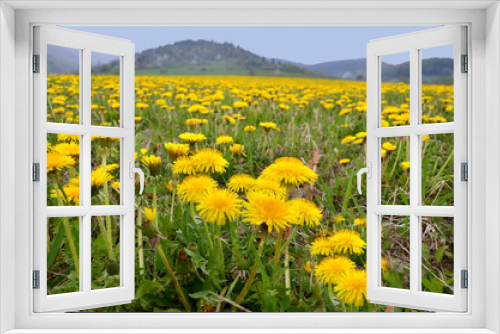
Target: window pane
<point>63,170</point>
<point>437,169</point>
<point>437,84</point>
<point>105,175</point>
<point>395,94</point>
<point>105,89</point>
<point>105,252</point>
<point>395,170</point>
<point>63,84</point>
<point>63,255</point>
<point>395,251</point>
<point>437,254</point>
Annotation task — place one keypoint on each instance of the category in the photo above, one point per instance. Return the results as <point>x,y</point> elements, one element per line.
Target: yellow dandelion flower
<point>218,206</point>
<point>425,137</point>
<point>229,119</point>
<point>272,211</point>
<point>405,165</point>
<point>249,128</point>
<point>360,221</point>
<point>238,149</point>
<point>347,139</point>
<point>241,183</point>
<point>384,123</point>
<point>388,146</point>
<point>224,140</point>
<point>361,135</point>
<point>152,162</point>
<point>170,186</point>
<point>106,141</point>
<point>337,219</point>
<point>71,190</point>
<point>307,212</point>
<point>240,117</point>
<point>269,186</point>
<point>210,161</point>
<point>322,246</point>
<point>176,150</point>
<point>71,149</point>
<point>192,138</point>
<point>68,138</point>
<point>344,161</point>
<point>332,269</point>
<point>382,153</point>
<point>348,242</point>
<point>289,159</point>
<point>290,174</point>
<point>116,185</point>
<point>192,187</point>
<point>57,161</point>
<point>184,165</point>
<point>269,126</point>
<point>98,178</point>
<point>240,104</point>
<point>149,214</point>
<point>351,288</point>
<point>307,267</point>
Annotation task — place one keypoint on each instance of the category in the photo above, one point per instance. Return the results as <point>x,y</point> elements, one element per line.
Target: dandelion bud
<point>150,230</point>
<point>182,265</point>
<point>113,268</point>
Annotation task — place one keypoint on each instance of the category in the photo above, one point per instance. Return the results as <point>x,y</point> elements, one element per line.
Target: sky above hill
<point>307,45</point>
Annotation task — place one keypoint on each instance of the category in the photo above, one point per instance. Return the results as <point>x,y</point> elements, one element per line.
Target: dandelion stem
<point>106,200</point>
<point>210,243</point>
<point>277,255</point>
<point>140,242</point>
<point>155,205</point>
<point>109,245</point>
<point>288,283</point>
<point>67,228</point>
<point>173,278</point>
<point>251,278</point>
<point>221,253</point>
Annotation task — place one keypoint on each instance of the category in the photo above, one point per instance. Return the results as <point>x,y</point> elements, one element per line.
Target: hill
<point>434,70</point>
<point>201,57</point>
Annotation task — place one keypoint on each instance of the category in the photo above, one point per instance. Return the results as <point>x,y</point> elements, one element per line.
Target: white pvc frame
<point>86,297</point>
<point>414,43</point>
<point>483,311</point>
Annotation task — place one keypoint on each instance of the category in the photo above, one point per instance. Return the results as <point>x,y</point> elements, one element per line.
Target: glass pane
<point>63,255</point>
<point>437,169</point>
<point>437,84</point>
<point>105,252</point>
<point>63,170</point>
<point>105,103</point>
<point>105,175</point>
<point>395,251</point>
<point>395,169</point>
<point>395,94</point>
<point>63,84</point>
<point>437,254</point>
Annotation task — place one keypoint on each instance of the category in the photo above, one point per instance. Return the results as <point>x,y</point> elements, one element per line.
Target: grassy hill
<point>203,57</point>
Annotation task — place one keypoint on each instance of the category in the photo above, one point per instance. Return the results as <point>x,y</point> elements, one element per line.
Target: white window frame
<point>484,102</point>
<point>412,44</point>
<point>86,44</point>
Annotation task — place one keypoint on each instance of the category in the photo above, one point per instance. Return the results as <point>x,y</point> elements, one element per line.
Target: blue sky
<point>308,45</point>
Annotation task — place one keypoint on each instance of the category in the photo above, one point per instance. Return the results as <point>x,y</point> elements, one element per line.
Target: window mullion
<point>415,181</point>
<point>85,168</point>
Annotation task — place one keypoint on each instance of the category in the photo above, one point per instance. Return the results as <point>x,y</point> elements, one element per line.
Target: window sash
<point>86,297</point>
<point>413,43</point>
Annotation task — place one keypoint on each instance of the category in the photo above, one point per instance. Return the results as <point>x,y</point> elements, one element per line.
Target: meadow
<point>250,202</point>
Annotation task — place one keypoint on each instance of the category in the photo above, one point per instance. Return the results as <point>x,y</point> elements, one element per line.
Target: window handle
<point>134,170</point>
<point>368,171</point>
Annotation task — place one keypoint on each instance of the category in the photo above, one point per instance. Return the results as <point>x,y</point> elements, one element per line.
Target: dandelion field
<point>250,200</point>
